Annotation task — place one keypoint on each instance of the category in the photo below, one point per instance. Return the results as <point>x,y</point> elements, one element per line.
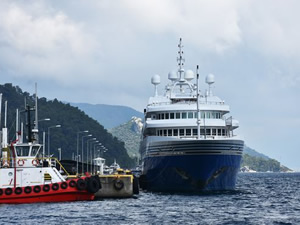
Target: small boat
<point>26,176</point>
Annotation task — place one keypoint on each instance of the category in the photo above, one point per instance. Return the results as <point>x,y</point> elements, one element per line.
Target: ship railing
<point>187,102</point>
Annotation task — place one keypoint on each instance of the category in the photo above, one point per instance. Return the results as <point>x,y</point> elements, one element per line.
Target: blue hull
<point>191,173</point>
<point>190,165</point>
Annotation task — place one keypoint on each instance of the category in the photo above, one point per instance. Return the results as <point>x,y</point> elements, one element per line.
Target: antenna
<point>155,80</point>
<point>0,108</point>
<point>210,79</point>
<point>180,61</point>
<point>36,108</point>
<point>198,98</point>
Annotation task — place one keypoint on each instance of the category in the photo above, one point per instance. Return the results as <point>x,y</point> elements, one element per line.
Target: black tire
<point>18,190</point>
<point>72,183</point>
<point>118,184</point>
<point>37,189</point>
<point>1,192</point>
<point>55,187</point>
<point>27,190</point>
<point>64,185</point>
<point>93,185</point>
<point>8,191</point>
<point>135,185</point>
<point>46,188</point>
<point>81,184</point>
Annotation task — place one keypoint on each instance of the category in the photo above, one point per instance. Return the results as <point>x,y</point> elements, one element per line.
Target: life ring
<point>27,190</point>
<point>64,185</point>
<point>21,162</point>
<point>37,189</point>
<point>81,184</point>
<point>72,183</point>
<point>35,162</point>
<point>55,187</point>
<point>8,191</point>
<point>118,184</point>
<point>18,190</point>
<point>46,188</point>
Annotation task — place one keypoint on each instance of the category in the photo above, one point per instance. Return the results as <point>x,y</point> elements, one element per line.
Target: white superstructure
<point>174,115</point>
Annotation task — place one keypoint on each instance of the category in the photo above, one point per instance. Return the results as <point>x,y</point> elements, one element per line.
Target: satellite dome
<point>189,75</point>
<point>155,79</point>
<point>173,75</point>
<point>210,79</point>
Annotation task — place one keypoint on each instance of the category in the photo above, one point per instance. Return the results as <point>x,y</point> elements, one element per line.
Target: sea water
<point>259,198</point>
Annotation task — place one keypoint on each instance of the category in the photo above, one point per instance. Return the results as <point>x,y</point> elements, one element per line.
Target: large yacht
<point>188,141</point>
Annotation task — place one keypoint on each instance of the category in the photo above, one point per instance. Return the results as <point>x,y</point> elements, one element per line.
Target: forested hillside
<point>71,120</point>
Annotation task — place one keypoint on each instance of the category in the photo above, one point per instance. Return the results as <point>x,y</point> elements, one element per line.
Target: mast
<point>198,110</point>
<point>180,61</point>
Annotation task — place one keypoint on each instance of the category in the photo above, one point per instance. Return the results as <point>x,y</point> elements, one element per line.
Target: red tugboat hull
<point>74,190</point>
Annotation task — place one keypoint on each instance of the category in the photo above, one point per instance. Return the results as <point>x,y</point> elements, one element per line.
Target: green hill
<point>130,133</point>
<point>71,120</point>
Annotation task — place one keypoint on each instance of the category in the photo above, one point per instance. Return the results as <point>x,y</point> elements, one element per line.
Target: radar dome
<point>173,75</point>
<point>155,79</point>
<point>210,79</point>
<point>189,75</point>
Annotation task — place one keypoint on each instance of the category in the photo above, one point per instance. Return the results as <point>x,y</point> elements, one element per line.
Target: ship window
<point>177,115</point>
<point>219,132</point>
<point>214,132</point>
<point>167,116</point>
<point>196,115</point>
<point>218,116</point>
<point>201,131</point>
<point>153,117</point>
<point>208,115</point>
<point>195,132</point>
<point>171,115</point>
<point>159,116</point>
<point>208,132</point>
<point>169,132</point>
<point>190,115</point>
<point>184,115</point>
<point>181,132</point>
<point>160,133</point>
<point>34,150</point>
<point>165,132</point>
<point>203,115</point>
<point>175,132</point>
<point>188,132</point>
<point>157,133</point>
<point>163,116</point>
<point>22,150</point>
<point>223,132</point>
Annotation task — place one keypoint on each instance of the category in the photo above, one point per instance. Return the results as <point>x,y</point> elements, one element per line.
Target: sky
<point>105,52</point>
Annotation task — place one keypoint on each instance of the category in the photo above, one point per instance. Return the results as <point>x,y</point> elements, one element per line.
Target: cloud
<point>38,41</point>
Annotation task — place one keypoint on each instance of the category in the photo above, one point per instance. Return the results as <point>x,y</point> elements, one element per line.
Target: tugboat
<point>26,176</point>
